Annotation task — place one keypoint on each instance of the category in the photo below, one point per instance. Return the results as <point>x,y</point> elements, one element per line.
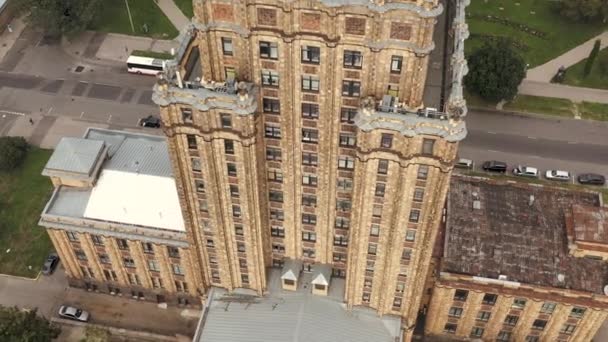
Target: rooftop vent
<point>502,277</point>
<point>477,204</point>
<point>531,201</point>
<point>561,278</point>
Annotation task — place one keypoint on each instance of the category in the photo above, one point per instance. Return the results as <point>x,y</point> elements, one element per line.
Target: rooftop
<point>518,231</point>
<point>590,224</point>
<point>297,316</point>
<point>75,156</point>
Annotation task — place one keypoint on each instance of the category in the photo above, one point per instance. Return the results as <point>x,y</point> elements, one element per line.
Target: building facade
<point>299,130</point>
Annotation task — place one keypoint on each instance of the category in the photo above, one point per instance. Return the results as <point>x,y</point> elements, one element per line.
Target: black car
<point>494,166</point>
<point>150,121</point>
<point>591,178</point>
<point>50,264</point>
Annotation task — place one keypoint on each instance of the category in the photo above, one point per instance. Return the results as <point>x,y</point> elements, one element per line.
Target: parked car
<point>591,178</point>
<point>494,166</point>
<point>463,163</point>
<point>71,312</point>
<point>50,264</point>
<point>525,171</point>
<point>150,121</point>
<point>558,175</point>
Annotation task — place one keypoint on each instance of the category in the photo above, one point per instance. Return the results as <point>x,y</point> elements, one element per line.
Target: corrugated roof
<point>75,155</point>
<point>69,201</point>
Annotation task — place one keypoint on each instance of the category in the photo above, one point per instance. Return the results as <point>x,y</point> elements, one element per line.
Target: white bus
<point>144,65</point>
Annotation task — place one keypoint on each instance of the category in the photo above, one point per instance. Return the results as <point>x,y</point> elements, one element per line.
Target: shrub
<point>12,152</point>
<point>591,58</point>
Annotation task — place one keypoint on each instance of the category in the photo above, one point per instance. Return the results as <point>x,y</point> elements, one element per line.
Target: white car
<point>558,175</point>
<point>71,312</point>
<point>463,163</point>
<point>525,171</point>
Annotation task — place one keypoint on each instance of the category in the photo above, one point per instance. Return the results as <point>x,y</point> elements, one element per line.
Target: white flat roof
<point>138,199</point>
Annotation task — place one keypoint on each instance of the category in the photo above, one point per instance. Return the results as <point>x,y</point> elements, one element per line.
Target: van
<point>494,166</point>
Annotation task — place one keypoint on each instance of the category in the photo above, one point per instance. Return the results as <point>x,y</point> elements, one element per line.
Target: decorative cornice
<point>205,99</point>
<point>393,6</point>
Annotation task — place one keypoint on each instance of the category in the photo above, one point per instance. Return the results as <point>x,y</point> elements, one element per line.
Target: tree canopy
<point>25,326</point>
<point>12,152</point>
<point>59,17</point>
<point>495,71</point>
<point>584,10</point>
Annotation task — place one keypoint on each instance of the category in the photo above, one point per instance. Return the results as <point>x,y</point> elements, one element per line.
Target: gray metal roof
<point>69,201</point>
<point>74,155</point>
<point>293,316</point>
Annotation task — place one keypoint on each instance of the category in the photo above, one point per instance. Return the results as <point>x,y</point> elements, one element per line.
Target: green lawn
<point>23,194</point>
<point>594,111</point>
<point>596,78</point>
<point>561,34</point>
<point>186,7</point>
<point>113,17</point>
<point>152,54</point>
<point>539,104</point>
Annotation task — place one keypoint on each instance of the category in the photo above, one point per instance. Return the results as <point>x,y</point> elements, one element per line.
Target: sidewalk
<point>575,94</point>
<point>8,39</point>
<point>174,14</point>
<point>544,73</point>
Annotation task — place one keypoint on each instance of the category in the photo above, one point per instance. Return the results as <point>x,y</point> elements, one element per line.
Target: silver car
<point>71,312</point>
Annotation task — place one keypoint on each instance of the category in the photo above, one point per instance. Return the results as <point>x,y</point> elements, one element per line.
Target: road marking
<point>572,142</point>
<point>532,138</point>
<point>49,112</point>
<point>492,151</point>
<point>110,118</point>
<point>81,115</point>
<point>490,132</point>
<point>12,113</point>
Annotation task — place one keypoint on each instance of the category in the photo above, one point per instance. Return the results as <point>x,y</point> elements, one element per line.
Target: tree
<point>495,71</point>
<point>25,326</point>
<point>12,152</point>
<point>59,17</point>
<point>584,10</point>
<point>591,58</point>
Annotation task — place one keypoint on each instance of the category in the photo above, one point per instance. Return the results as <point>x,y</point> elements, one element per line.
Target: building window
<point>186,115</point>
<point>347,115</point>
<point>311,54</point>
<point>347,140</point>
<point>80,254</point>
<point>427,146</point>
<point>410,235</point>
<point>511,319</point>
<point>234,190</point>
<point>111,276</point>
<point>483,316</point>
<point>310,135</point>
<point>397,302</point>
<point>393,90</point>
<point>227,47</point>
<point>238,230</point>
<point>177,269</point>
<point>173,252</point>
<point>386,141</point>
<point>230,73</point>
<point>309,201</point>
<point>309,219</point>
<point>275,196</point>
<point>310,159</point>
<point>418,194</point>
<point>104,259</point>
<point>128,262</point>
<point>157,283</point>
<point>519,303</point>
<point>273,154</point>
<point>153,266</point>
<point>245,278</point>
<point>577,312</point>
<point>309,236</point>
<point>396,64</point>
<point>489,299</point>
<point>503,336</point>
<point>372,249</point>
<point>133,279</point>
<point>269,50</point>
<point>275,176</point>
<point>181,286</point>
<point>236,211</point>
<point>72,236</point>
<point>210,243</point>
<point>477,332</point>
<point>226,120</point>
<point>377,211</point>
<point>539,324</point>
<point>309,179</point>
<point>272,131</point>
<point>147,247</point>
<point>455,312</point>
<point>351,88</point>
<point>231,168</point>
<point>450,328</point>
<point>548,307</point>
<point>196,164</point>
<point>240,247</point>
<point>270,78</point>
<point>345,184</point>
<point>278,248</point>
<point>382,166</point>
<point>380,189</point>
<point>374,230</point>
<point>568,328</point>
<point>423,172</point>
<point>277,231</point>
<point>406,254</point>
<point>199,185</point>
<point>340,240</point>
<point>365,297</point>
<point>310,83</point>
<point>122,244</point>
<point>400,287</point>
<point>308,253</point>
<point>461,295</point>
<point>343,205</point>
<point>353,59</point>
<point>271,106</point>
<point>342,222</point>
<point>531,338</point>
<point>414,215</point>
<point>346,162</point>
<point>203,206</point>
<point>229,146</point>
<point>276,214</point>
<point>310,110</point>
<point>339,257</point>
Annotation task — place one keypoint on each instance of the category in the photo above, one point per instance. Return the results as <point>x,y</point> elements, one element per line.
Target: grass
<point>113,18</point>
<point>539,104</point>
<point>186,7</point>
<point>562,34</point>
<point>593,111</point>
<point>23,194</point>
<point>152,54</point>
<point>596,78</point>
<point>474,100</point>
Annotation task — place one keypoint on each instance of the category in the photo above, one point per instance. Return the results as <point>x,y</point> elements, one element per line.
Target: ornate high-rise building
<point>318,136</point>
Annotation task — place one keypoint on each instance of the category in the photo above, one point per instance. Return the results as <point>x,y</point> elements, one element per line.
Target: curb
<point>22,278</point>
<point>525,114</point>
<point>117,331</point>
